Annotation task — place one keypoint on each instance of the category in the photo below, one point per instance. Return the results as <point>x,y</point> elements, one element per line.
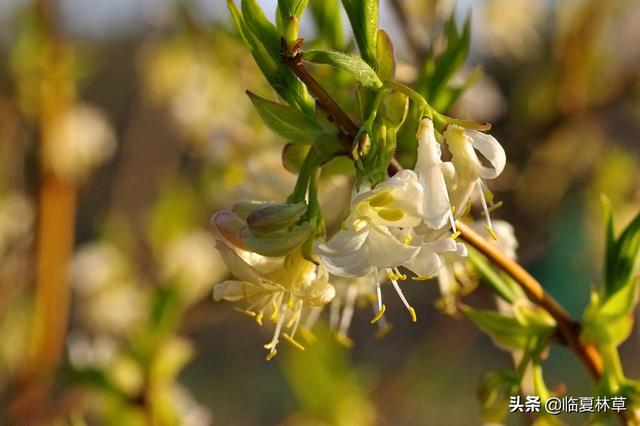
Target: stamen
<point>344,340</point>
<point>274,310</point>
<point>245,311</point>
<point>406,240</point>
<point>485,209</point>
<point>379,294</point>
<point>347,312</point>
<point>271,346</point>
<point>259,317</point>
<point>412,311</point>
<point>291,340</point>
<point>491,233</point>
<point>422,277</point>
<point>379,315</point>
<point>399,275</point>
<point>334,314</point>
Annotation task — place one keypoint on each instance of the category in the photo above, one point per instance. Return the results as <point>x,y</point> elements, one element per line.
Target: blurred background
<point>124,126</point>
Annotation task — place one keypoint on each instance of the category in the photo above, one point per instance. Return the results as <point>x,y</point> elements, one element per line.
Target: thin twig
<point>569,329</point>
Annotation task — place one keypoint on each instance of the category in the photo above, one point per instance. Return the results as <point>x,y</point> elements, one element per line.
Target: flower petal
<point>355,264</point>
<point>386,251</point>
<point>491,149</point>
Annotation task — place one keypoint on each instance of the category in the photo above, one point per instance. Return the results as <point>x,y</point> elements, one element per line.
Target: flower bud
<point>275,217</point>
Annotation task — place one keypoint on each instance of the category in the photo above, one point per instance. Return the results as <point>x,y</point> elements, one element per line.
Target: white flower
<point>283,287</point>
<point>468,170</point>
<point>429,168</point>
<point>369,238</point>
<point>428,262</point>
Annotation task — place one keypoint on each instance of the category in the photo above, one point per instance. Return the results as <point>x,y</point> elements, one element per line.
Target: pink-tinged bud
<point>228,226</point>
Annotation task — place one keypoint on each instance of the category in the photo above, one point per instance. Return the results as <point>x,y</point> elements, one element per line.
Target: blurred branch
<point>55,234</point>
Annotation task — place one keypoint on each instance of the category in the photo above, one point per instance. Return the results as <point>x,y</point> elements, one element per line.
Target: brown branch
<point>569,329</point>
<point>293,59</point>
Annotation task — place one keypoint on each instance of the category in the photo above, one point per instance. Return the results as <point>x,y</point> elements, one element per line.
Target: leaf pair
<point>513,332</point>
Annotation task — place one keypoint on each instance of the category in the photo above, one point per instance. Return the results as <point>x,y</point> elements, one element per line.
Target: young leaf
<point>625,258</point>
<point>264,30</point>
<point>505,331</point>
<point>386,63</point>
<point>287,121</point>
<point>502,287</point>
<point>288,8</point>
<point>326,14</point>
<point>609,321</point>
<point>352,64</point>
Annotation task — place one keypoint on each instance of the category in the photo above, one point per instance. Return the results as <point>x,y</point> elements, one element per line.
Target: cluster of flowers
<point>406,221</point>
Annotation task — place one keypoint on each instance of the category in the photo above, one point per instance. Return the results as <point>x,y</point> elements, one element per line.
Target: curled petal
<point>491,149</point>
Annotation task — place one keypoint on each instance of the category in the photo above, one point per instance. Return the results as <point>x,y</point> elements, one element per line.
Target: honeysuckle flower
<point>282,288</point>
<point>429,168</point>
<point>370,239</point>
<point>468,172</point>
<point>366,240</point>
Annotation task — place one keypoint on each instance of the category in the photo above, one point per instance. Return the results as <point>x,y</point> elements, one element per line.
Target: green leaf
<point>293,156</point>
<point>352,64</point>
<point>502,287</point>
<point>625,262</point>
<point>263,41</point>
<point>363,16</point>
<point>326,14</point>
<point>386,62</point>
<point>494,390</point>
<point>288,8</point>
<point>505,331</point>
<point>609,321</point>
<point>264,30</point>
<point>436,71</point>
<point>287,121</point>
